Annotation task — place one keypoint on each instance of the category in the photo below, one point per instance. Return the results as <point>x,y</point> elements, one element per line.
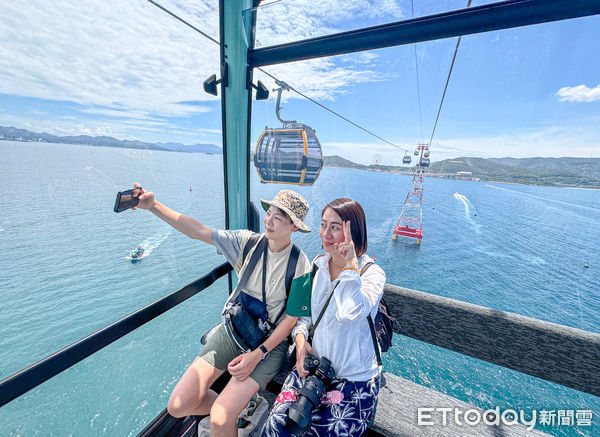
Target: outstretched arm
<point>184,224</point>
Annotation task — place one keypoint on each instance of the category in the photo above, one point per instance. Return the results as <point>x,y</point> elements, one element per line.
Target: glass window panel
<point>95,96</point>
<point>501,227</point>
<point>284,22</point>
<point>120,389</point>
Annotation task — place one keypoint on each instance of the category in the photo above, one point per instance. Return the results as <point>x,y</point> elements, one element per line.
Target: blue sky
<point>128,70</point>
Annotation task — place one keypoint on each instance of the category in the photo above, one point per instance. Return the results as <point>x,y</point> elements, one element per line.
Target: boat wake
<point>149,245</point>
<point>468,215</point>
<point>546,199</point>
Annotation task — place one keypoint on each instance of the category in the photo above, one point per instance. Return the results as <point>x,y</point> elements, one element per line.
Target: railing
<point>555,353</point>
<point>34,375</point>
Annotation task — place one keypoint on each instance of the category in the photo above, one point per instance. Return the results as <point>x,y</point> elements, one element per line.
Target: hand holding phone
<point>127,199</point>
<point>146,198</point>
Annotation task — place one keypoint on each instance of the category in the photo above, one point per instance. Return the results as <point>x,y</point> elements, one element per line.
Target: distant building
<point>464,175</point>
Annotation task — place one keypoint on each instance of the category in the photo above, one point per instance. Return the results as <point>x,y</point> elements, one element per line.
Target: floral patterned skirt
<point>345,410</point>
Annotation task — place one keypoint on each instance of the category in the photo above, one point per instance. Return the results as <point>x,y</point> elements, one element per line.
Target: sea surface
<point>65,273</point>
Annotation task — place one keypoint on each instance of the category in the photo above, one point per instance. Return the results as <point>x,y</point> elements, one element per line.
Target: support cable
<point>447,82</point>
<point>273,77</point>
<point>335,113</point>
<point>417,71</point>
<point>183,21</point>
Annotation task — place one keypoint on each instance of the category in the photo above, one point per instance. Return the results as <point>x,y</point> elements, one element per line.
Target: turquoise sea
<point>64,274</point>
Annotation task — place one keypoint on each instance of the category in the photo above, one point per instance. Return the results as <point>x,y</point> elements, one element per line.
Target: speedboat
<point>137,254</point>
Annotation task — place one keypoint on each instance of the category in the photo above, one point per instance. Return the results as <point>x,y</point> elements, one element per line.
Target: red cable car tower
<point>410,223</point>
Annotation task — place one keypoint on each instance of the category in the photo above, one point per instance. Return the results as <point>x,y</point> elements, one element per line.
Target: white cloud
<point>81,129</point>
<point>129,56</point>
<point>292,21</point>
<point>578,140</point>
<point>175,110</point>
<point>318,79</point>
<point>323,78</point>
<point>579,93</point>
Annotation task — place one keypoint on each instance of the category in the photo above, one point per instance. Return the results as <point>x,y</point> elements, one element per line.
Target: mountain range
<point>563,172</point>
<point>14,134</point>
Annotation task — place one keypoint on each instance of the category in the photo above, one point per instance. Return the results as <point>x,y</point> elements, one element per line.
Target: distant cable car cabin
<point>416,152</point>
<point>426,154</point>
<point>424,162</point>
<point>406,159</point>
<point>288,155</point>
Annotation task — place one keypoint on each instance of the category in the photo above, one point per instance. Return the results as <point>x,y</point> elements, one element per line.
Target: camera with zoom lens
<point>321,376</point>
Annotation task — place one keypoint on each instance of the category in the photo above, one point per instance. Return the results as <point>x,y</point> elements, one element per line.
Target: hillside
<point>588,166</point>
<point>563,172</point>
<point>338,161</point>
<point>14,134</point>
<point>569,172</point>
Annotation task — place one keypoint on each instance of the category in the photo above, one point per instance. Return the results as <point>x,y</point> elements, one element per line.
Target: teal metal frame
<point>237,37</point>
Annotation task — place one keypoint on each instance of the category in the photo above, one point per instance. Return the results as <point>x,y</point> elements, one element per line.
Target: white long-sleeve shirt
<point>343,334</point>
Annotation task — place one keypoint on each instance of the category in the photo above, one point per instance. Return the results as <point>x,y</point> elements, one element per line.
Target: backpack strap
<point>249,245</point>
<point>291,268</point>
<point>371,323</point>
<point>260,249</point>
<point>290,271</point>
<point>374,338</point>
<point>366,267</point>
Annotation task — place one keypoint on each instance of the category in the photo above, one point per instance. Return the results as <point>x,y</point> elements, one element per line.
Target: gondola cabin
<point>288,156</point>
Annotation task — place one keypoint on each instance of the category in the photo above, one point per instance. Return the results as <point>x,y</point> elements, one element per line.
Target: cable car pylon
<point>410,223</point>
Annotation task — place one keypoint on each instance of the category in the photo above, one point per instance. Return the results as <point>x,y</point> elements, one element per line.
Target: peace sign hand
<point>346,249</point>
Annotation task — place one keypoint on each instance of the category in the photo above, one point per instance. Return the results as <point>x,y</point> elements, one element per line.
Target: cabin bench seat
<point>400,399</point>
<point>397,408</point>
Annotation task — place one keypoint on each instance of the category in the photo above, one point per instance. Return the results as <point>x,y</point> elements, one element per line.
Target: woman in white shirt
<point>341,300</point>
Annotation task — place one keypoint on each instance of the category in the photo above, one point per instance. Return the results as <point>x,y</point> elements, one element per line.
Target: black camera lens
<point>299,413</point>
<point>321,376</point>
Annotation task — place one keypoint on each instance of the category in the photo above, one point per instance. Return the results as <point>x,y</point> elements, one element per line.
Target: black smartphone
<point>127,199</point>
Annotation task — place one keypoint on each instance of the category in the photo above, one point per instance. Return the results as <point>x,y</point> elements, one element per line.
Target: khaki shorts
<point>220,349</point>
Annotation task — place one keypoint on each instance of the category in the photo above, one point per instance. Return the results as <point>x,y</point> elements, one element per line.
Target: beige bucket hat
<point>293,204</point>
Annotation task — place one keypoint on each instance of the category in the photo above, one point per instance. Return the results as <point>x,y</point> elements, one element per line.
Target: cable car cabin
<point>406,159</point>
<point>424,162</point>
<point>426,154</point>
<point>288,156</point>
<point>416,152</point>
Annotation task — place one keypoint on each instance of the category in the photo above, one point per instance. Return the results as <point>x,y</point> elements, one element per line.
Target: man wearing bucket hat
<point>271,293</point>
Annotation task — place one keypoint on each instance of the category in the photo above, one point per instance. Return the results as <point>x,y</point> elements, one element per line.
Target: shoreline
<point>485,181</point>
